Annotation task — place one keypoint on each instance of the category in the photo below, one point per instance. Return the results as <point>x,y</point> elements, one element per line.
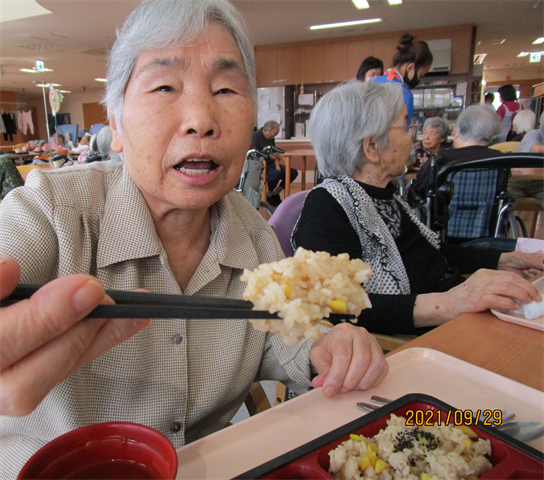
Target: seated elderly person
<point>164,217</point>
<point>434,139</point>
<point>361,141</point>
<point>533,141</point>
<point>523,122</point>
<point>10,177</point>
<point>475,129</point>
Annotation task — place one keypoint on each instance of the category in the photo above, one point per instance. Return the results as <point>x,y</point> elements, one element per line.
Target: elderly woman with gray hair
<point>434,139</point>
<point>362,143</point>
<point>163,217</point>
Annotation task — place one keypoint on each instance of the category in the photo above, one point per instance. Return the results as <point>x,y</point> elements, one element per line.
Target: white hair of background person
<point>103,140</point>
<point>344,117</point>
<point>440,124</point>
<point>162,24</point>
<point>524,121</point>
<point>479,124</point>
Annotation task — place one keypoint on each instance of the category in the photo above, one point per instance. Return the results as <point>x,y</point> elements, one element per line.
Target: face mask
<point>411,83</point>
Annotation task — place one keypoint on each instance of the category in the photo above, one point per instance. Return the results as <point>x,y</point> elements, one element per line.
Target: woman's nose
<point>199,118</point>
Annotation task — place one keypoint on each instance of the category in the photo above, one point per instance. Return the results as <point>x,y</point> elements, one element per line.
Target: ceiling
<point>73,40</point>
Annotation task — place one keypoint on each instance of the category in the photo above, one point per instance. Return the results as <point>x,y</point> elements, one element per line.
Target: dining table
<point>476,361</point>
<point>287,155</point>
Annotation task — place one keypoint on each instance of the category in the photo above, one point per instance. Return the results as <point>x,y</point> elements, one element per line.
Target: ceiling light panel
<point>345,24</point>
<point>395,2</point>
<point>361,4</point>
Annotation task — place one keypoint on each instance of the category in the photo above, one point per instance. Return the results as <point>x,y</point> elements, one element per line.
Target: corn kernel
<point>357,438</point>
<point>365,463</point>
<point>373,458</point>
<point>380,465</point>
<point>467,443</point>
<point>372,448</point>
<point>424,476</point>
<point>287,290</point>
<point>467,431</point>
<point>465,458</point>
<point>338,305</point>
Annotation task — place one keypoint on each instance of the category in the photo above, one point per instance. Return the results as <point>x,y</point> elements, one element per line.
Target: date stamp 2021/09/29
<point>419,418</point>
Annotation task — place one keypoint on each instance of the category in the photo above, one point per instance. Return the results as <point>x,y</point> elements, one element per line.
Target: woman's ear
<point>370,149</point>
<point>116,142</point>
<point>411,70</point>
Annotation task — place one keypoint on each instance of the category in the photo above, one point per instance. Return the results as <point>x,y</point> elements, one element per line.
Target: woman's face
<point>372,74</point>
<point>187,122</point>
<point>431,139</point>
<point>396,156</point>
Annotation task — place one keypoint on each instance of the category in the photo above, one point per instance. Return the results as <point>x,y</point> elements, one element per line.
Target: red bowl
<point>106,451</point>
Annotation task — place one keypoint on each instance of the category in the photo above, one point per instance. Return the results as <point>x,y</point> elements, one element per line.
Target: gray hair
<point>479,124</point>
<point>103,141</point>
<point>524,121</point>
<point>345,116</point>
<point>160,24</point>
<point>271,125</point>
<point>439,123</point>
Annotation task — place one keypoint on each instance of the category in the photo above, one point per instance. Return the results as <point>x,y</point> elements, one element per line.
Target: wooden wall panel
<point>358,50</point>
<point>335,62</point>
<point>311,64</point>
<point>265,65</point>
<point>93,113</point>
<point>288,66</point>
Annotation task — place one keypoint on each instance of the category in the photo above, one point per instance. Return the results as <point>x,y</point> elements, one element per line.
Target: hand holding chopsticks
<point>44,340</point>
<point>157,305</point>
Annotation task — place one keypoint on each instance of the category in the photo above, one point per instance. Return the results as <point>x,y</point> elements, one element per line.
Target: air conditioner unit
<point>441,50</point>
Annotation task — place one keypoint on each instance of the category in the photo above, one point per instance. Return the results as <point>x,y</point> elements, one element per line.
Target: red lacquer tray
<point>511,459</point>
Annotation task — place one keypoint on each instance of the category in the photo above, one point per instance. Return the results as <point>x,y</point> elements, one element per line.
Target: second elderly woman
<point>417,280</point>
<point>434,139</point>
<point>181,103</point>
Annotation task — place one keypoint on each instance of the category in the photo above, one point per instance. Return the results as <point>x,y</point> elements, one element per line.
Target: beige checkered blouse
<point>185,378</point>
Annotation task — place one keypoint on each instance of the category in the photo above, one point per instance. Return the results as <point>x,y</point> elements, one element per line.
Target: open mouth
<point>196,166</point>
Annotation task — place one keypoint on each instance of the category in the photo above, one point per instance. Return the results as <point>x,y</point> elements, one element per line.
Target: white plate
<point>518,318</point>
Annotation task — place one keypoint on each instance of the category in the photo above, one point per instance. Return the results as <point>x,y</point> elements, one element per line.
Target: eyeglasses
<point>411,128</point>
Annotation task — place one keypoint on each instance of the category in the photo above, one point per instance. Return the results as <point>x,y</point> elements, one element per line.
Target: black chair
<point>441,190</point>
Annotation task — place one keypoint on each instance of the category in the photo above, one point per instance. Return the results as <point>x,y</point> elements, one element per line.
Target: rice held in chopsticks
<point>305,289</point>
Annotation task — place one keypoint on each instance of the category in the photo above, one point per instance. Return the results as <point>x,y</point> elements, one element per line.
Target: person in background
<point>507,111</point>
<point>533,141</point>
<point>162,216</point>
<point>10,177</point>
<point>417,280</point>
<point>275,171</point>
<point>489,98</point>
<point>524,122</point>
<point>102,146</point>
<point>370,68</point>
<point>84,144</point>
<point>434,139</point>
<point>411,62</point>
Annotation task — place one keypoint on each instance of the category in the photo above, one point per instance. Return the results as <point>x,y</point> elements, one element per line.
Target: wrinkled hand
<point>44,340</point>
<point>525,264</point>
<point>489,289</point>
<point>346,359</point>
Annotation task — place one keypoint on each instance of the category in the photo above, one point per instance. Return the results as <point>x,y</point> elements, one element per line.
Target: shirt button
<point>176,339</point>
<point>175,427</point>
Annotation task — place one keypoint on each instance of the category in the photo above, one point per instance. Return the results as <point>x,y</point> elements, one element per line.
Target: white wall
<point>511,74</point>
<point>73,104</point>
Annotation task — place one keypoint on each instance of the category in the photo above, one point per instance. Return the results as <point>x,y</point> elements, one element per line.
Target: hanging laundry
<point>2,126</point>
<point>11,127</point>
<point>27,122</point>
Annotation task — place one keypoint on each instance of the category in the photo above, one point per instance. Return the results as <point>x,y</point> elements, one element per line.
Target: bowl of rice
<point>304,289</point>
<point>382,446</point>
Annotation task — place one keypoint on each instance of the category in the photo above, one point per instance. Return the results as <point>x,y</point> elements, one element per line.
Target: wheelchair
<point>489,212</point>
<point>253,178</point>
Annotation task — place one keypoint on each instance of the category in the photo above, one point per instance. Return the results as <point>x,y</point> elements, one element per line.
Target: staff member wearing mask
<point>411,62</point>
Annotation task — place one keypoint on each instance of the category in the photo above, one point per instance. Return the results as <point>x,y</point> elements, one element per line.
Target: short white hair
<point>347,115</point>
<point>479,124</point>
<point>524,121</point>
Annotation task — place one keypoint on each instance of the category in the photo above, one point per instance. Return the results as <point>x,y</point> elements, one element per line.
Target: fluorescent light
<point>523,54</point>
<point>65,91</point>
<point>361,4</point>
<point>101,79</point>
<point>345,24</point>
<point>538,40</point>
<point>479,58</point>
<point>395,2</point>
<point>45,85</point>
<point>33,70</point>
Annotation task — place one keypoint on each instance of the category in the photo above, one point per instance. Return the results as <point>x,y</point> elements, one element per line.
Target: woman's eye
<point>163,88</point>
<point>223,91</point>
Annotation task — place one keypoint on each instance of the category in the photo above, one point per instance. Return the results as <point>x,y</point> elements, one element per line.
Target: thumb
<point>319,380</point>
<point>10,272</point>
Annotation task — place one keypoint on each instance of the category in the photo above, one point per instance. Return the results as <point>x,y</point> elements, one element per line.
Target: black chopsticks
<point>159,305</point>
